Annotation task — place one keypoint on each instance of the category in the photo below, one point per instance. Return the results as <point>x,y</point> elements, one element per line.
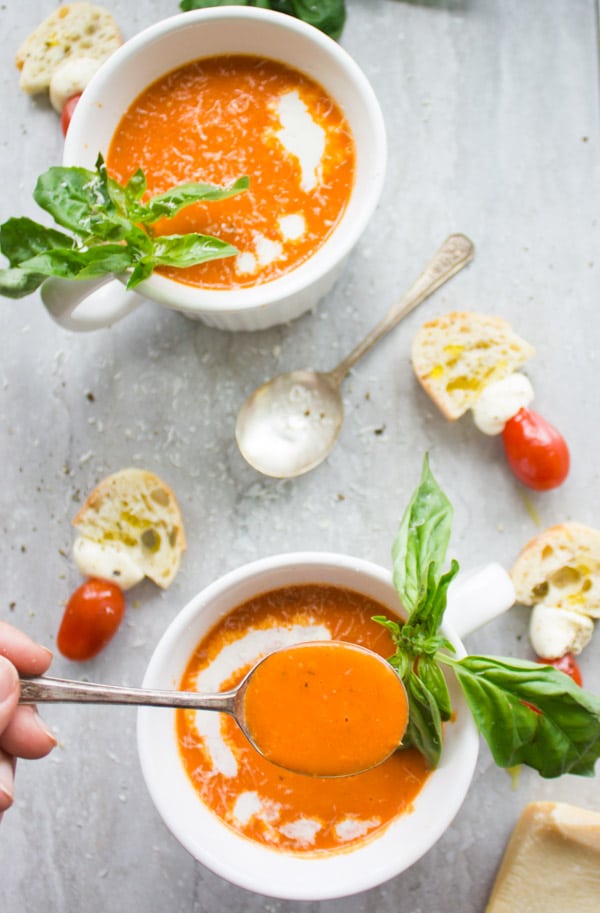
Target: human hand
<point>23,733</point>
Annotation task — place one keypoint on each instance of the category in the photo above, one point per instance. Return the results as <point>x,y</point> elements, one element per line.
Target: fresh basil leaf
<point>142,270</point>
<point>106,217</point>
<point>139,241</point>
<point>187,5</point>
<point>135,187</point>
<point>401,660</point>
<point>105,259</point>
<point>327,15</point>
<point>394,627</point>
<point>119,200</point>
<point>81,264</point>
<point>187,250</point>
<point>82,201</point>
<point>17,283</point>
<point>424,730</point>
<point>283,6</point>
<point>422,540</point>
<point>170,203</point>
<point>430,611</point>
<point>562,735</point>
<point>123,200</point>
<point>434,680</point>
<point>74,197</point>
<point>22,238</point>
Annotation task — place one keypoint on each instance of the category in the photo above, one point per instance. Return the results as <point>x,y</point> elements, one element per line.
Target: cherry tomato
<point>566,664</point>
<point>92,616</point>
<point>67,112</point>
<point>536,452</point>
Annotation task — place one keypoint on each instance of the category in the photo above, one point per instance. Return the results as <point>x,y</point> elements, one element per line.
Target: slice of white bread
<point>72,30</point>
<point>560,567</point>
<point>135,512</point>
<point>456,355</point>
<point>551,863</point>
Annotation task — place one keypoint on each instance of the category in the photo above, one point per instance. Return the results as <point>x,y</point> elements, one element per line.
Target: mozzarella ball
<point>554,632</point>
<point>501,400</point>
<point>94,559</point>
<point>71,78</point>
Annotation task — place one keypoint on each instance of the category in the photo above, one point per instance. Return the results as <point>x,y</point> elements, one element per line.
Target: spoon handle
<point>456,251</point>
<point>61,690</point>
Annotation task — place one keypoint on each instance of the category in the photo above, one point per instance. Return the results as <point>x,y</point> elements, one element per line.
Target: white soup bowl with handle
<point>166,46</point>
<point>473,599</point>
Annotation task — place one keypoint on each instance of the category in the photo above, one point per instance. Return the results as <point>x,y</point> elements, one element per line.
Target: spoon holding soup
<point>320,708</point>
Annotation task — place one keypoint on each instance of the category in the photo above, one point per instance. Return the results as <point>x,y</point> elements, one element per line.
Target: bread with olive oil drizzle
<point>561,567</point>
<point>458,354</point>
<point>72,30</point>
<point>134,512</point>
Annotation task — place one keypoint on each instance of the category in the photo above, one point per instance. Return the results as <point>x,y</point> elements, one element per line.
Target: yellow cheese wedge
<point>551,863</point>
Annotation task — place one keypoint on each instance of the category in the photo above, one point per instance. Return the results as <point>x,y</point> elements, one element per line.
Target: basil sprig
<point>112,228</point>
<point>327,15</point>
<point>528,713</point>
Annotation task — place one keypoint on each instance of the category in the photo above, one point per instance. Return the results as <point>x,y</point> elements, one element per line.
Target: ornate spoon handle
<point>60,690</point>
<point>456,251</point>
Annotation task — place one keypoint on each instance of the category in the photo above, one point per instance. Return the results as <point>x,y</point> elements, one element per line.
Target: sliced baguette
<point>560,567</point>
<point>72,30</point>
<point>458,354</point>
<point>135,512</point>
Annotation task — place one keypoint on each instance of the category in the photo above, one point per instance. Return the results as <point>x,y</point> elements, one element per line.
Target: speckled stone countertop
<point>492,117</point>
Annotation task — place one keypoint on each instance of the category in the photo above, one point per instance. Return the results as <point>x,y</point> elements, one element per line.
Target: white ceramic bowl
<point>174,42</point>
<point>254,866</point>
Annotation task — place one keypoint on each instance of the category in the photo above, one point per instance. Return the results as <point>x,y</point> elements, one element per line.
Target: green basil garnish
<point>111,228</point>
<point>528,713</point>
<point>327,15</point>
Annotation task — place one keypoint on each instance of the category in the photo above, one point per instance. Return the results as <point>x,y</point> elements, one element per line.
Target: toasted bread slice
<point>456,355</point>
<point>561,568</point>
<point>72,30</point>
<point>135,512</point>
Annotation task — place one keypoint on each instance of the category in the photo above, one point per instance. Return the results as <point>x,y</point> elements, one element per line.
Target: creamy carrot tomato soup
<point>307,707</point>
<point>223,117</point>
<point>262,801</point>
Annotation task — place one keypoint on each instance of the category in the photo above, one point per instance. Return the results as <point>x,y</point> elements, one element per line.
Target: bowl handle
<point>88,304</point>
<point>477,597</point>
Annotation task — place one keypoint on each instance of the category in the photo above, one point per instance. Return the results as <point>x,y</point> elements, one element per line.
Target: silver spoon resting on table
<point>57,690</point>
<point>290,423</point>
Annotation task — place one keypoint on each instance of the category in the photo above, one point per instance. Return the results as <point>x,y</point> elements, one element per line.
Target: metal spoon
<point>290,423</point>
<point>56,690</point>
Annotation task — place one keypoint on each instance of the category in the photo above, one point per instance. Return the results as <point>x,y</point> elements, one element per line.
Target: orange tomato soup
<point>219,118</point>
<point>308,707</point>
<point>260,800</point>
